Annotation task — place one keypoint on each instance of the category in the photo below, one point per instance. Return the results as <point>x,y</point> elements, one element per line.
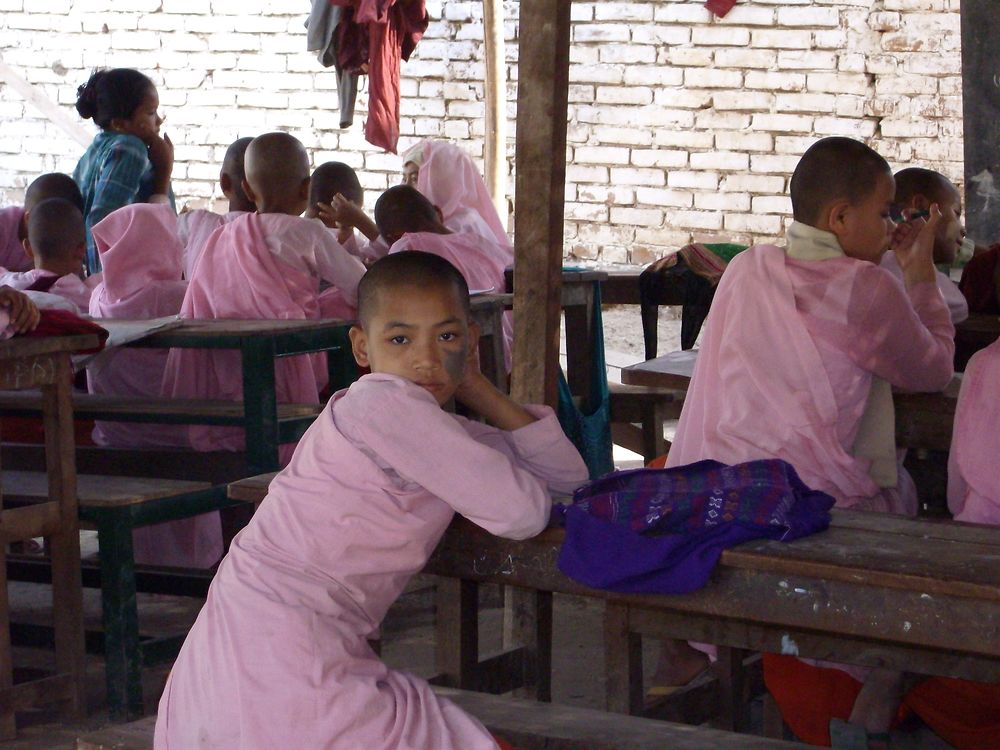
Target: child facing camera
<point>279,655</point>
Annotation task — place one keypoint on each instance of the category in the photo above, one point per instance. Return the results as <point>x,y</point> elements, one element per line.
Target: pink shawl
<point>239,277</point>
<point>450,180</point>
<point>787,360</point>
<point>973,479</point>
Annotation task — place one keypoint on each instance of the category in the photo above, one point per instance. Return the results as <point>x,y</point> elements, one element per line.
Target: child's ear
<point>921,202</point>
<point>837,217</point>
<point>304,188</point>
<point>26,244</point>
<point>474,333</point>
<point>359,345</point>
<point>226,183</point>
<point>249,191</point>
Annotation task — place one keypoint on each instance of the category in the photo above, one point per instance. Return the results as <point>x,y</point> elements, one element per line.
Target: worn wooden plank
<point>98,491</point>
<point>24,348</point>
<point>531,725</point>
<point>543,79</point>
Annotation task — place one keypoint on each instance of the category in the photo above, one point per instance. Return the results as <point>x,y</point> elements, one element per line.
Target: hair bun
<point>86,96</point>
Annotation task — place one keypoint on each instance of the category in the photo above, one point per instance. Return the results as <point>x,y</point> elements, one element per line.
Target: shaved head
<point>335,177</point>
<point>926,182</point>
<point>276,166</point>
<point>834,169</point>
<point>52,185</point>
<point>56,231</point>
<point>425,271</point>
<point>403,209</point>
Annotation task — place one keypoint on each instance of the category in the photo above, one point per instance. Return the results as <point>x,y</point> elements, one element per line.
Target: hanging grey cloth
<point>321,38</point>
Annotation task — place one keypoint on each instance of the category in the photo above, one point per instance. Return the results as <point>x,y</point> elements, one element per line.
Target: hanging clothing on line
<point>321,38</point>
<point>371,37</point>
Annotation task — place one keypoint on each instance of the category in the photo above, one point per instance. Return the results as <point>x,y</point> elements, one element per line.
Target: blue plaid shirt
<point>114,171</point>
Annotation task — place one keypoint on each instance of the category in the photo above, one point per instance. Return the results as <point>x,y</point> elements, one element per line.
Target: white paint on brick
<point>681,126</point>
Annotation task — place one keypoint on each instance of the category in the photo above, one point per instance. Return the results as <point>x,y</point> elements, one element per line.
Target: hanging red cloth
<point>720,7</point>
<point>372,39</point>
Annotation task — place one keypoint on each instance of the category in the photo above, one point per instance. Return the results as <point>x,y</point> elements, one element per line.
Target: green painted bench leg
<point>121,615</point>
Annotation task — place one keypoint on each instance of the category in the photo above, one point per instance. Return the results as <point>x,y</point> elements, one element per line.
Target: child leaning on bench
<point>279,655</point>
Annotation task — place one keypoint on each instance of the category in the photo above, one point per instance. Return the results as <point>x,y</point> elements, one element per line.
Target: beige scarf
<point>876,436</point>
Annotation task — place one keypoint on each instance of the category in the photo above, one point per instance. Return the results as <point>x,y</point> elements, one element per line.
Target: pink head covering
<point>138,244</point>
<point>450,180</point>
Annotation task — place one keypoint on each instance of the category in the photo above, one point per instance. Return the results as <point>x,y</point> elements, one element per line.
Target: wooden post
<point>981,120</point>
<point>496,106</point>
<point>540,158</point>
<point>543,79</point>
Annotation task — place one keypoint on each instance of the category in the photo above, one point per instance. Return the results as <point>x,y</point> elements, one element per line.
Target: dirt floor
<point>408,632</point>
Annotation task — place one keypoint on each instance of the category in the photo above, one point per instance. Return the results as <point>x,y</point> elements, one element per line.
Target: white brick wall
<point>681,126</point>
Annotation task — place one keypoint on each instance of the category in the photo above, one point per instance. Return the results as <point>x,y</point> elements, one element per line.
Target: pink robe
<point>787,360</point>
<point>953,297</point>
<point>451,181</point>
<point>973,477</point>
<point>257,267</point>
<point>278,656</point>
<point>70,287</point>
<point>141,257</point>
<point>194,228</point>
<point>482,262</point>
<point>12,255</point>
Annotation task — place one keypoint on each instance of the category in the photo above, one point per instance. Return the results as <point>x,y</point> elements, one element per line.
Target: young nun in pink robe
<point>408,221</point>
<point>278,657</point>
<point>14,221</point>
<point>449,179</point>
<point>56,244</point>
<point>261,266</point>
<point>195,227</point>
<point>804,342</point>
<point>973,478</point>
<point>916,190</point>
<point>142,261</point>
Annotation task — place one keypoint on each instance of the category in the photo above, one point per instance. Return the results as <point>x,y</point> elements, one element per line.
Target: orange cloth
<point>965,714</point>
<point>503,745</point>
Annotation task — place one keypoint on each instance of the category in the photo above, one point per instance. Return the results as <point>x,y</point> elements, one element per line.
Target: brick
<point>626,53</point>
<point>722,201</point>
<point>744,141</point>
<point>694,219</point>
<point>711,78</point>
<point>694,180</point>
<point>653,75</point>
<point>600,155</point>
<point>772,204</point>
<point>644,217</point>
<point>724,160</point>
<point>608,32</point>
<point>664,197</point>
<point>812,16</point>
<point>839,83</point>
<point>745,58</point>
<point>612,11</point>
<point>806,60</point>
<point>774,81</point>
<point>773,163</point>
<point>689,56</point>
<point>659,158</point>
<point>720,36</point>
<point>624,95</point>
<point>751,183</point>
<point>753,224</point>
<point>805,103</point>
<point>781,39</point>
<point>637,176</point>
<point>618,136</point>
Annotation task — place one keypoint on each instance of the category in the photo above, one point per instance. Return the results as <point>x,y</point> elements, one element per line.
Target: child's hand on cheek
<point>913,244</point>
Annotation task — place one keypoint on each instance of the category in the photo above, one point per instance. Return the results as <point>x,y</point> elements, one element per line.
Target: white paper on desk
<point>474,292</point>
<point>121,332</point>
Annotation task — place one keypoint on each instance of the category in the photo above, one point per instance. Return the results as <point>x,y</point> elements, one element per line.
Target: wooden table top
<point>29,346</point>
<point>671,370</point>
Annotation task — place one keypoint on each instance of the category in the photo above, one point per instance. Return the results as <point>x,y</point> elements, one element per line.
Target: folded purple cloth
<point>663,530</point>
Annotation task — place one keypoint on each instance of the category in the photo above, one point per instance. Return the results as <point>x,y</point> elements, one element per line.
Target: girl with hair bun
<point>128,161</point>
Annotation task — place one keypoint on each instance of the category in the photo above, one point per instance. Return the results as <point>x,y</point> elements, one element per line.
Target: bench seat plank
<point>158,410</point>
<point>98,491</point>
<point>532,725</point>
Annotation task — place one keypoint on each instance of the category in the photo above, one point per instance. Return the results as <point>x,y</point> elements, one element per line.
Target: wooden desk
<point>578,308</point>
<point>875,590</point>
<point>45,363</point>
<point>260,342</point>
<point>923,420</point>
<point>973,334</point>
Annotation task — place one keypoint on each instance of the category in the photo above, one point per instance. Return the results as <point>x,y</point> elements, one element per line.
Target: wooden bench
<point>646,406</point>
<point>115,506</point>
<point>293,419</point>
<point>527,725</point>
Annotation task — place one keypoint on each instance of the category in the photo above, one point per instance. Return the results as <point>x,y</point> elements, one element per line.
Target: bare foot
<point>678,664</point>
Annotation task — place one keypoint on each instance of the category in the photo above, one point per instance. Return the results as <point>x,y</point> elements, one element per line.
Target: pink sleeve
<point>408,431</point>
<point>339,267</point>
<point>908,338</point>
